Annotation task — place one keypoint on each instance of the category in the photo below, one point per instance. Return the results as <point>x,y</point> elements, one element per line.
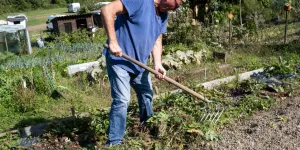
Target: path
<point>275,129</point>
<point>37,27</point>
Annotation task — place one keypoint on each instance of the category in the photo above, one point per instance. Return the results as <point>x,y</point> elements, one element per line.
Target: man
<point>137,32</point>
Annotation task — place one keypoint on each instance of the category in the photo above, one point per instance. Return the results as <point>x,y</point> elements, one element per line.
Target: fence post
<point>285,27</point>
<point>5,40</point>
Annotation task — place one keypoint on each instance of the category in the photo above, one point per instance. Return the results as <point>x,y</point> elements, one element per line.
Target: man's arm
<point>108,14</point>
<point>156,54</point>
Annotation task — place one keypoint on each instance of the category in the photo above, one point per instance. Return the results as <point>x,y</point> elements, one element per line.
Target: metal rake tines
<point>212,112</point>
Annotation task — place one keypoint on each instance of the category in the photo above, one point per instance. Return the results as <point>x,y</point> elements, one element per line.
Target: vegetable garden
<point>194,53</point>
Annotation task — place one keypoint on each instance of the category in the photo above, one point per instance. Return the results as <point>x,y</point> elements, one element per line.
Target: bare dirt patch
<point>276,129</point>
<point>37,27</point>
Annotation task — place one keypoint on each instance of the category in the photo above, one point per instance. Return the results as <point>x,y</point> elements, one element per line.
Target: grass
<point>85,98</point>
<point>37,17</point>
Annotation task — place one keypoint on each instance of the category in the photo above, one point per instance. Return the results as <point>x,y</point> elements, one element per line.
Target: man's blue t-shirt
<point>137,32</point>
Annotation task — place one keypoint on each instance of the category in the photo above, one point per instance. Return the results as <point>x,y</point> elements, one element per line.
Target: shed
<point>72,23</point>
<point>14,38</point>
<point>97,18</point>
<point>18,19</point>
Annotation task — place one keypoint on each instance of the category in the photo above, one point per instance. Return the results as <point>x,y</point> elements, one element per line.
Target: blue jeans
<point>120,81</point>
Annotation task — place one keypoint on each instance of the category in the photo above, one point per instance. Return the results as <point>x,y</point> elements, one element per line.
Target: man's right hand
<point>115,49</point>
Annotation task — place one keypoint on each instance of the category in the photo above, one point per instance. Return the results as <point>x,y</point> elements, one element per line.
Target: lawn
<point>37,17</point>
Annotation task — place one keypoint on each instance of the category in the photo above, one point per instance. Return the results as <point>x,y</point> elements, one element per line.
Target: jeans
<point>120,81</point>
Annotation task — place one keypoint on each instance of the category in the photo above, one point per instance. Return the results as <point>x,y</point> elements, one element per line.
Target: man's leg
<point>120,92</point>
<point>143,88</point>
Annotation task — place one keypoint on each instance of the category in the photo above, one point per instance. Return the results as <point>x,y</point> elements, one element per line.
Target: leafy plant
<point>100,124</point>
<point>212,136</point>
<point>279,69</point>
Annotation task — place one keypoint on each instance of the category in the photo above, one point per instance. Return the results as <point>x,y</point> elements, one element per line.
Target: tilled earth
<point>275,129</point>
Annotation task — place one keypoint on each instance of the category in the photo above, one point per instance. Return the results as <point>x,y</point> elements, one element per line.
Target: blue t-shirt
<point>137,32</point>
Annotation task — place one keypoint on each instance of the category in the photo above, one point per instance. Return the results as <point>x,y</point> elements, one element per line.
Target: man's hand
<point>115,49</point>
<point>160,69</point>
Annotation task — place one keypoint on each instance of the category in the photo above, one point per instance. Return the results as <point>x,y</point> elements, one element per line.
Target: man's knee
<point>120,103</point>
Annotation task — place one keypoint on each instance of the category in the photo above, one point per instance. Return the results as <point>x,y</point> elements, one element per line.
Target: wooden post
<point>51,65</point>
<point>73,111</point>
<point>230,16</point>
<point>19,41</point>
<point>5,40</point>
<point>241,14</point>
<point>204,74</point>
<point>286,24</point>
<point>230,31</point>
<point>41,34</point>
<point>45,78</point>
<point>156,90</point>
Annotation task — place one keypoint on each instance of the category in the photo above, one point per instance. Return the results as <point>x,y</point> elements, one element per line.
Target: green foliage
<point>179,58</point>
<point>100,124</point>
<point>252,11</point>
<point>9,141</point>
<point>212,136</point>
<point>21,99</point>
<point>79,37</point>
<point>6,90</point>
<point>11,6</point>
<point>279,69</point>
<point>265,3</point>
<point>59,2</point>
<point>24,99</point>
<point>253,103</point>
<point>89,6</point>
<point>70,127</point>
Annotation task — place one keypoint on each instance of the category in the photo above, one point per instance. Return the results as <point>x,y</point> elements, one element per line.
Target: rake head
<point>211,112</point>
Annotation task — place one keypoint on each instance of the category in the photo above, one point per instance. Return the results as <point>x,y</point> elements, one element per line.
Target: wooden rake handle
<point>165,77</point>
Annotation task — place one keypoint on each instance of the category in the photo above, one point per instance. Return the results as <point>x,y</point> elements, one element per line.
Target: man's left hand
<point>161,70</point>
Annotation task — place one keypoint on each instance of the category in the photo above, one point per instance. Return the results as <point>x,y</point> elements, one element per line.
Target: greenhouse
<point>14,38</point>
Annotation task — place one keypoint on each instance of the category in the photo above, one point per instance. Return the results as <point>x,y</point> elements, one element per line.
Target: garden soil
<point>275,129</point>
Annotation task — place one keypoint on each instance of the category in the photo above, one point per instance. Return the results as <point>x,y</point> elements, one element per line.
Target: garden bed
<point>176,123</point>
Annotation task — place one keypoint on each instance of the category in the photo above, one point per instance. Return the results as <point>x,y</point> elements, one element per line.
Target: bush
<point>24,99</point>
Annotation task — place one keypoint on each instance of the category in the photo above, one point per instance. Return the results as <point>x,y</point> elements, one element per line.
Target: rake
<point>210,112</point>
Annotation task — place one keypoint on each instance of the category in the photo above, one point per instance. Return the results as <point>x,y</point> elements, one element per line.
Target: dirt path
<point>276,129</point>
<point>37,27</point>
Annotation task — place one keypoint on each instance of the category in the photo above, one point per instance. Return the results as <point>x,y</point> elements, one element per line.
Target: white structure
<point>49,24</point>
<point>71,70</point>
<point>3,22</point>
<point>73,7</point>
<point>18,19</point>
<point>102,3</point>
<point>11,37</point>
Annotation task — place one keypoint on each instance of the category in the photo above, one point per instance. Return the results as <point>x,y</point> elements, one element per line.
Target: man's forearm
<point>108,20</point>
<point>157,51</point>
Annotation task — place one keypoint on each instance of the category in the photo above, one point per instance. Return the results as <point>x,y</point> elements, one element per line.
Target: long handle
<point>166,78</point>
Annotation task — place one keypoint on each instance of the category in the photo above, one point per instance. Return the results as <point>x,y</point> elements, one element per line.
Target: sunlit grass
<point>39,16</point>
